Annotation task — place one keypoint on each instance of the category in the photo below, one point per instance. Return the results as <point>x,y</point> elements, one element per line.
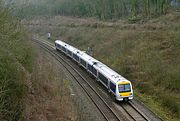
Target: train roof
<point>111,74</point>
<point>69,47</point>
<point>88,58</point>
<point>81,54</point>
<point>102,68</point>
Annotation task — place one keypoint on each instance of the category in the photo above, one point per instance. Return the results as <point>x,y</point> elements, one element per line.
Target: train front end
<point>124,91</point>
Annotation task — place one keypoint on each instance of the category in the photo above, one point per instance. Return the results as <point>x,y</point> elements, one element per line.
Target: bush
<point>170,103</point>
<point>133,19</point>
<point>12,89</point>
<point>16,58</point>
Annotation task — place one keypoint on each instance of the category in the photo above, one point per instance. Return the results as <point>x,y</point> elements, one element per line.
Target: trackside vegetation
<point>16,60</point>
<point>146,54</point>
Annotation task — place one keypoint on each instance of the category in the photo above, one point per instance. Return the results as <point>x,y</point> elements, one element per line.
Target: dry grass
<point>48,98</point>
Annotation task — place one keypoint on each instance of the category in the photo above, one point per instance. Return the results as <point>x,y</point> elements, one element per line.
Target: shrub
<point>16,58</point>
<point>170,103</point>
<point>12,89</point>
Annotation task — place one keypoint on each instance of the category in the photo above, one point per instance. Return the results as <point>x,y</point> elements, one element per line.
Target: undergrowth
<point>16,59</point>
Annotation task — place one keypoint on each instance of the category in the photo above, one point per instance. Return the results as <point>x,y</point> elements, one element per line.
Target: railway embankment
<point>31,86</point>
<point>16,63</point>
<point>145,53</point>
<point>49,97</point>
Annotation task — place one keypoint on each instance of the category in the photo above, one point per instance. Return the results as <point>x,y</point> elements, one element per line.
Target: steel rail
<point>144,116</point>
<point>129,103</point>
<point>57,57</point>
<point>134,117</point>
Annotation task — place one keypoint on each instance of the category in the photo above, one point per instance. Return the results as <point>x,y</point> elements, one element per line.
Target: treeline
<point>111,9</point>
<point>102,9</point>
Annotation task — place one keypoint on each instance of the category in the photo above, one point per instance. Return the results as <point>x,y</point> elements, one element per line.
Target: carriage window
<point>113,87</point>
<point>103,78</point>
<point>83,62</point>
<point>90,67</point>
<point>59,46</point>
<point>64,49</point>
<point>94,71</point>
<point>69,52</point>
<point>75,57</point>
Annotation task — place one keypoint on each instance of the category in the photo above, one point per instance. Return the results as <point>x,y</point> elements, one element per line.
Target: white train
<point>120,87</point>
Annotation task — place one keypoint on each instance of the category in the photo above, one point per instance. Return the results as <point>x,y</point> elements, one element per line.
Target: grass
<point>157,107</point>
<point>49,95</point>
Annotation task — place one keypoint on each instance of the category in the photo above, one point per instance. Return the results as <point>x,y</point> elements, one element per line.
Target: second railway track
<point>108,113</point>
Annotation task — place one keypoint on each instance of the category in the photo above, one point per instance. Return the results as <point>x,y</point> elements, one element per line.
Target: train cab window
<point>103,78</point>
<point>124,88</point>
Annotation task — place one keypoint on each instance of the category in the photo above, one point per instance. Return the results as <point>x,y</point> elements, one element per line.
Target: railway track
<point>108,113</point>
<point>133,112</point>
<point>101,105</point>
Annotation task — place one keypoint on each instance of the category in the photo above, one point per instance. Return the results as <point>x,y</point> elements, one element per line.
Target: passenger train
<point>120,87</point>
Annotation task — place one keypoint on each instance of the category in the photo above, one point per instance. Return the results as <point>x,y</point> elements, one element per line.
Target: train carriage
<point>115,83</point>
<point>118,85</point>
